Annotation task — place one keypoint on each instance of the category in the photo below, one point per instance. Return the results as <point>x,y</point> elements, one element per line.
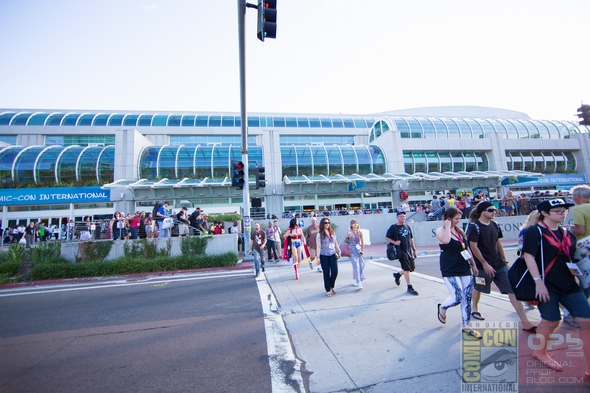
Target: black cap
<point>481,206</point>
<point>401,212</point>
<point>547,205</point>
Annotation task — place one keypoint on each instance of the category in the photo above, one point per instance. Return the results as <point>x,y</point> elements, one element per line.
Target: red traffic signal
<point>267,19</point>
<point>237,178</point>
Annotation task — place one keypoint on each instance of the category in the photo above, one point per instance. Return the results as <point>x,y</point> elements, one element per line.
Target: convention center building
<point>67,164</point>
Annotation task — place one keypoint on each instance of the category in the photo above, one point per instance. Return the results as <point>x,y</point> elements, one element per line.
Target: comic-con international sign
<point>58,195</point>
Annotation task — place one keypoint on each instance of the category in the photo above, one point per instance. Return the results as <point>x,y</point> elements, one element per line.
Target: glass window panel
<point>70,119</point>
<point>419,161</point>
<point>364,160</point>
<point>464,130</point>
<point>174,120</point>
<point>20,119</point>
<point>428,129</point>
<point>159,120</point>
<point>445,161</point>
<point>187,121</point>
<point>288,161</point>
<point>66,164</point>
<point>544,131</point>
<point>106,165</point>
<point>130,120</point>
<point>87,163</point>
<point>5,118</point>
<point>100,120</point>
<point>470,162</point>
<point>511,130</point>
<point>476,127</point>
<point>483,163</point>
<point>302,122</point>
<point>7,156</point>
<point>54,119</point>
<point>145,120</point>
<point>227,121</point>
<point>452,128</point>
<point>458,161</point>
<point>498,127</point>
<point>350,160</point>
<point>487,128</point>
<point>378,160</point>
<point>185,157</point>
<point>221,162</point>
<point>415,128</point>
<point>279,121</point>
<point>532,130</point>
<point>439,128</point>
<point>167,162</point>
<point>337,122</point>
<point>291,122</point>
<point>214,121</point>
<point>46,165</point>
<point>408,163</point>
<point>38,119</point>
<point>326,122</point>
<point>86,119</point>
<point>202,121</point>
<point>360,123</point>
<point>304,161</point>
<point>348,123</point>
<point>433,162</point>
<point>253,121</point>
<point>25,164</point>
<point>238,121</point>
<point>334,160</point>
<point>314,122</point>
<point>9,139</point>
<point>203,162</point>
<point>148,163</point>
<point>403,127</point>
<point>320,160</point>
<point>572,164</point>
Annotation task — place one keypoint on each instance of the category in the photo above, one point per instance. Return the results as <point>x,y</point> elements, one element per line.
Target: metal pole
<point>244,123</point>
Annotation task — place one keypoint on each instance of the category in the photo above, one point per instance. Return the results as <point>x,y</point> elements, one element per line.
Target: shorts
<point>312,253</point>
<point>576,303</point>
<point>408,264</point>
<point>182,229</point>
<point>500,279</point>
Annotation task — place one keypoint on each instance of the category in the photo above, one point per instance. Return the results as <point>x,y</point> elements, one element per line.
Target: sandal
<point>532,329</point>
<point>473,333</point>
<point>328,294</point>
<point>477,315</point>
<point>333,291</point>
<point>441,317</point>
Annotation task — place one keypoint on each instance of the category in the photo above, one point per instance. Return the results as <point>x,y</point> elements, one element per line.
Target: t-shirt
<point>486,238</point>
<point>310,234</point>
<point>452,263</point>
<point>559,279</point>
<point>404,234</point>
<point>581,216</point>
<point>258,239</point>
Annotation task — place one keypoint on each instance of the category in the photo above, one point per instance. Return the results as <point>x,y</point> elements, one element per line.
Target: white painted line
<point>280,352</point>
<point>113,284</point>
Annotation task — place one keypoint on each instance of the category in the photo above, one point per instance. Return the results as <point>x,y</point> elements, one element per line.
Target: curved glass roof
<point>176,120</point>
<point>57,164</point>
<point>430,127</point>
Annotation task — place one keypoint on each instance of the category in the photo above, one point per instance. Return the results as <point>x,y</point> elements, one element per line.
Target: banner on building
<point>58,195</point>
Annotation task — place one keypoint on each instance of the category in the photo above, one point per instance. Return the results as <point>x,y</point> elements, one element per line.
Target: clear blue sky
<point>330,56</point>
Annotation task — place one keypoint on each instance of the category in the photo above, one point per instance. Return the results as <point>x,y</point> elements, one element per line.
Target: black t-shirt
<point>402,233</point>
<point>452,263</point>
<point>559,279</point>
<point>486,237</point>
<point>193,219</point>
<point>179,217</point>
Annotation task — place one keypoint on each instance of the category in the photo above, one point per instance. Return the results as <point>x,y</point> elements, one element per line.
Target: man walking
<point>270,241</point>
<point>484,236</point>
<point>581,212</point>
<point>401,236</point>
<point>257,246</point>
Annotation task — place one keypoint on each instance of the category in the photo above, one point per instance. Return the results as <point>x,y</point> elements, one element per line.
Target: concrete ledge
<point>217,244</point>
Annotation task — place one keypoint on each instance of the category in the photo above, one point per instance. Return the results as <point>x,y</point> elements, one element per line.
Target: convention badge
<point>358,247</point>
<point>574,269</point>
<point>466,255</point>
<point>480,281</point>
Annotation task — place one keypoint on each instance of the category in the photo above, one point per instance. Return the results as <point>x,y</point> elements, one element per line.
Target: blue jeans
<point>134,233</point>
<point>258,260</point>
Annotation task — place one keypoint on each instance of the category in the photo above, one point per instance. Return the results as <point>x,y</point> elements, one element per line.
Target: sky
<point>330,56</point>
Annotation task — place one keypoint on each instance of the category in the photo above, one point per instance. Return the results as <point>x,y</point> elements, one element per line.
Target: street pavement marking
<point>280,353</point>
<point>155,281</point>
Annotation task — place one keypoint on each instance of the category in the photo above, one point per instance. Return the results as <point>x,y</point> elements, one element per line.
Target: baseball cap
<point>481,206</point>
<point>184,208</point>
<point>400,213</point>
<point>547,205</point>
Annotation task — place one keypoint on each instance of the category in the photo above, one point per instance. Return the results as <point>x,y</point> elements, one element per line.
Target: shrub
<point>194,245</point>
<point>94,251</point>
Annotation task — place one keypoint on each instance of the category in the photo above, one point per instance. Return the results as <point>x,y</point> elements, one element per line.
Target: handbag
<point>344,250</point>
<point>522,282</point>
<point>392,252</point>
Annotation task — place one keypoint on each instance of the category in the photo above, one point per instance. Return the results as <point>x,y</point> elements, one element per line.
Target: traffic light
<point>267,19</point>
<point>584,115</point>
<point>260,177</point>
<point>237,177</point>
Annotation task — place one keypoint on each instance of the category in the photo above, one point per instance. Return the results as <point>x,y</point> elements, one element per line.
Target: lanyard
<point>563,244</point>
<point>459,237</point>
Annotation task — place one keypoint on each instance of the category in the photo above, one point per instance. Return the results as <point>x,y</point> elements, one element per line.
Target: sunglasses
<point>491,210</point>
<point>327,223</point>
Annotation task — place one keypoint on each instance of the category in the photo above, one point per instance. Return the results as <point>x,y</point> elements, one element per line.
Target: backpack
<point>157,207</point>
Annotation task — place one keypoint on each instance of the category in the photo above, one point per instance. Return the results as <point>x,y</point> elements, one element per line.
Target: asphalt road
<point>197,334</point>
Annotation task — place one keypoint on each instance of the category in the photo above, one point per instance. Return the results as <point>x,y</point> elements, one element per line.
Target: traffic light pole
<point>244,124</point>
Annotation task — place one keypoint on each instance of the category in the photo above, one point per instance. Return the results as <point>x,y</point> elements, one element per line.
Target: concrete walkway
<point>379,339</point>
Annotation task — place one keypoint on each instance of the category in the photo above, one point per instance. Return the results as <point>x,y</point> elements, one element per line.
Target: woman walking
<point>457,267</point>
<point>297,240</point>
<point>354,239</point>
<point>547,250</point>
<point>329,252</point>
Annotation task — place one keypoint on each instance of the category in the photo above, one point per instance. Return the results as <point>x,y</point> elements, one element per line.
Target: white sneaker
<point>360,286</point>
<point>319,270</point>
<point>354,284</point>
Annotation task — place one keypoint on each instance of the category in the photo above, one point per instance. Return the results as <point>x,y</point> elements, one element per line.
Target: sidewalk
<point>378,339</point>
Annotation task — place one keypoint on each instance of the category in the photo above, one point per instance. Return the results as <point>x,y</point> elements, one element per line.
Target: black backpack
<point>155,212</point>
